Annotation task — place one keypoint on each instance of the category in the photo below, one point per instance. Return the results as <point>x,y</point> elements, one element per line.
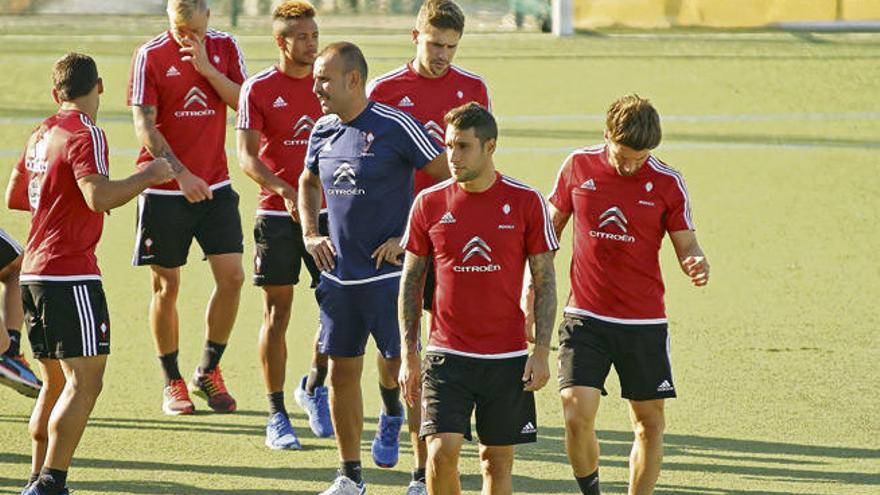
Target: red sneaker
<point>210,386</point>
<point>175,399</point>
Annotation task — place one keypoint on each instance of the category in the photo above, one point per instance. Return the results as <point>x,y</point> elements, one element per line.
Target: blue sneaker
<point>280,434</point>
<point>317,407</point>
<point>32,490</point>
<point>16,373</point>
<point>386,443</point>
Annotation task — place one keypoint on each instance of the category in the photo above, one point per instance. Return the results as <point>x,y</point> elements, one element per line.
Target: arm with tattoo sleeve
<point>409,314</point>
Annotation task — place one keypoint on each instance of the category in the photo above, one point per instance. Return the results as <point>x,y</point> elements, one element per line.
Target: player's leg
<point>496,465</point>
<point>442,467</point>
<point>379,304</point>
<point>347,411</point>
<point>15,371</point>
<point>647,452</point>
<point>584,363</point>
<point>165,324</point>
<point>417,485</point>
<point>38,426</point>
<point>218,232</point>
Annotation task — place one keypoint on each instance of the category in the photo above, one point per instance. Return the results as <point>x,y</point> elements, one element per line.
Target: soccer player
<point>362,155</point>
<point>62,178</point>
<point>277,111</point>
<point>15,371</point>
<point>480,227</point>
<point>624,201</point>
<point>181,83</point>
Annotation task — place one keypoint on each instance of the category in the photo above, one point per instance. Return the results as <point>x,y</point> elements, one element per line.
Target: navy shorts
<point>350,314</point>
<point>9,249</point>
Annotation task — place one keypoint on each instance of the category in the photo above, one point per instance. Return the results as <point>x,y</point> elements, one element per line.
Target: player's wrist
<point>541,350</point>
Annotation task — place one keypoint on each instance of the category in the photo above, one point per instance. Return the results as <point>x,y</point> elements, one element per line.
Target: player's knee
<point>166,287</point>
<point>11,272</point>
<point>39,431</point>
<point>576,422</point>
<point>649,429</point>
<point>276,317</point>
<point>442,458</point>
<point>232,280</point>
<point>496,466</point>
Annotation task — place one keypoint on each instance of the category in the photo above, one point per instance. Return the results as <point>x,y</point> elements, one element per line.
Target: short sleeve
<point>485,100</point>
<point>237,71</point>
<point>540,235</point>
<point>20,165</point>
<point>314,146</point>
<point>416,239</point>
<point>87,152</point>
<point>141,84</point>
<point>560,196</point>
<point>417,146</point>
<point>249,114</point>
<point>678,213</point>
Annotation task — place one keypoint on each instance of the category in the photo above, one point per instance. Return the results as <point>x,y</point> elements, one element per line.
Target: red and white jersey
<point>619,225</point>
<point>480,243</point>
<point>284,110</point>
<point>428,100</point>
<point>64,231</point>
<point>189,112</point>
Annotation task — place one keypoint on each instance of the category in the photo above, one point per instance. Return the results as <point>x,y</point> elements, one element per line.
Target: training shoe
<point>417,488</point>
<point>15,372</point>
<point>386,443</point>
<point>343,485</point>
<point>210,386</point>
<point>316,407</point>
<point>32,490</point>
<point>280,434</point>
<point>175,399</point>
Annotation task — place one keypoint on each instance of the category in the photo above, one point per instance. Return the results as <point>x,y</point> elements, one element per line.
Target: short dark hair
<point>473,116</point>
<point>352,57</point>
<point>634,122</point>
<point>74,75</point>
<point>441,14</point>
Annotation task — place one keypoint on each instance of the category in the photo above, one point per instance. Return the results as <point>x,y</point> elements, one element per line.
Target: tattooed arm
<point>409,314</point>
<point>194,188</point>
<point>560,220</point>
<point>537,371</point>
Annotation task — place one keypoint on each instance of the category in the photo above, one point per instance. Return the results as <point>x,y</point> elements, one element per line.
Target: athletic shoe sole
<point>22,387</point>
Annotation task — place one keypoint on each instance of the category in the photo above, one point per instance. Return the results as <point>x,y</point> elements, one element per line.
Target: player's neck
<point>355,109</point>
<point>293,69</point>
<point>80,106</point>
<point>481,183</point>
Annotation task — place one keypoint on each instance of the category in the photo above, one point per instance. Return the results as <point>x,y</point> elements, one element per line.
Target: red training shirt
<point>619,225</point>
<point>64,231</point>
<point>428,100</point>
<point>480,243</point>
<point>190,114</point>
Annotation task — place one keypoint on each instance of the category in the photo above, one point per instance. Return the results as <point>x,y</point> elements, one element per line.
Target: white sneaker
<point>344,485</point>
<point>416,488</point>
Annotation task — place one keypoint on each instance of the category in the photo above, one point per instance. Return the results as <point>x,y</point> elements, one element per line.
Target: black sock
<point>391,401</point>
<point>33,477</point>
<point>51,480</point>
<point>351,470</point>
<point>169,366</point>
<point>418,475</point>
<point>276,403</point>
<point>316,378</point>
<point>211,356</point>
<point>589,484</point>
<point>14,343</point>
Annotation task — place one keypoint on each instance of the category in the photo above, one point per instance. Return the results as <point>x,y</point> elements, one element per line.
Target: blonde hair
<point>181,11</point>
<point>291,10</point>
<point>441,14</point>
<point>633,122</point>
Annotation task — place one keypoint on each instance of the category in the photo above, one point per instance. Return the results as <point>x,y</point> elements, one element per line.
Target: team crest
<point>368,141</point>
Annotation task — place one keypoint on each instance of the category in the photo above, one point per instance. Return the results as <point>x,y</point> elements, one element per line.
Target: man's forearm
<point>409,303</point>
<point>103,194</point>
<point>309,205</point>
<point>544,281</point>
<point>227,89</point>
<point>152,138</point>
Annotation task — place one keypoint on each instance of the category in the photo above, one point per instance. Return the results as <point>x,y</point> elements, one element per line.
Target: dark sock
<point>33,478</point>
<point>169,366</point>
<point>276,403</point>
<point>14,343</point>
<point>51,480</point>
<point>316,378</point>
<point>589,484</point>
<point>211,356</point>
<point>391,401</point>
<point>418,475</point>
<point>351,470</point>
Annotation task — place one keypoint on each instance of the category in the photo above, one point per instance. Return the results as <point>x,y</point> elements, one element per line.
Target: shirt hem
<point>503,355</point>
<point>612,319</point>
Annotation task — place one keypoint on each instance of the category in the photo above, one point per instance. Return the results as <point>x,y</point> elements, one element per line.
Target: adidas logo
<point>529,428</point>
<point>589,184</point>
<point>405,102</point>
<point>279,102</point>
<point>447,218</point>
<point>665,386</point>
<point>172,71</point>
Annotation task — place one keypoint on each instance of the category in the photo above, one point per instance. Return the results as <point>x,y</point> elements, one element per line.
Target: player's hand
<point>194,189</point>
<point>389,252</point>
<point>193,51</point>
<point>529,310</point>
<point>159,171</point>
<point>537,371</point>
<point>322,251</point>
<point>697,268</point>
<point>410,379</point>
<point>290,204</point>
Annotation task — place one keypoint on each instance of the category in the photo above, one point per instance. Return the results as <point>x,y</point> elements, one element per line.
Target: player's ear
<point>279,41</point>
<point>100,86</point>
<point>490,145</point>
<point>55,96</point>
<point>415,36</point>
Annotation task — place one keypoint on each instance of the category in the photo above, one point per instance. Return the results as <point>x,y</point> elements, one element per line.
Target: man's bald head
<point>350,55</point>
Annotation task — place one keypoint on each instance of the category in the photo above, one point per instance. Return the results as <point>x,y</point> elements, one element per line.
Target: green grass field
<point>777,135</point>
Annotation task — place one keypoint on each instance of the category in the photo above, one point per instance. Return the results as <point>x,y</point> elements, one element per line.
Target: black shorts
<point>167,224</point>
<point>66,319</point>
<point>279,252</point>
<point>453,386</point>
<point>430,284</point>
<point>640,355</point>
<point>9,249</point>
